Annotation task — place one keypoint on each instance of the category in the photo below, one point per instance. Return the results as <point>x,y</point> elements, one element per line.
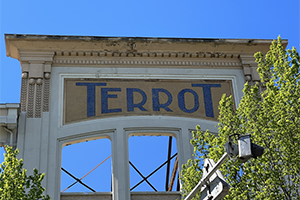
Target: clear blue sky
<point>255,19</point>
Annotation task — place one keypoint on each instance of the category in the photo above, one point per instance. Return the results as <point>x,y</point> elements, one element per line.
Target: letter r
<point>155,99</point>
<point>130,103</point>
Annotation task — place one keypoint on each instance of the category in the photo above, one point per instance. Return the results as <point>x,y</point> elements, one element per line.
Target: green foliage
<point>15,184</point>
<point>270,111</point>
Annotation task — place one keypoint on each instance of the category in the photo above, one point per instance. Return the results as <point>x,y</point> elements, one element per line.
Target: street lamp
<point>243,151</point>
<point>245,148</point>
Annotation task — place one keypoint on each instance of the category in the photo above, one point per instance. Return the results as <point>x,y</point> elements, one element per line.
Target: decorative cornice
<point>146,62</point>
<point>146,54</point>
<point>158,58</point>
<point>36,56</point>
<point>131,46</point>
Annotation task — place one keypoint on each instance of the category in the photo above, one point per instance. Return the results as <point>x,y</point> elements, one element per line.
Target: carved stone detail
<point>31,100</point>
<point>38,101</point>
<point>39,81</point>
<point>147,54</point>
<point>24,75</point>
<point>35,91</point>
<point>250,68</point>
<point>46,94</point>
<point>197,58</point>
<point>146,62</point>
<point>47,75</point>
<point>31,81</point>
<point>24,88</point>
<point>250,72</point>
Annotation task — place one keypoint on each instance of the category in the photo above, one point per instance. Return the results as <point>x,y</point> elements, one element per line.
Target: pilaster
<point>35,107</point>
<point>35,88</point>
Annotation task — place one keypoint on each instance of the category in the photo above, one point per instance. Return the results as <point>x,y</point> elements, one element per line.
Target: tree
<point>15,184</point>
<point>270,112</point>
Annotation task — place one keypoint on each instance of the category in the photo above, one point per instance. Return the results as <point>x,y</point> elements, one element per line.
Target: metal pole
<point>173,176</point>
<point>168,165</point>
<point>205,179</point>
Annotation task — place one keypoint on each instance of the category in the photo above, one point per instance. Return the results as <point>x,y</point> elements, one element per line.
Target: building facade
<point>79,88</point>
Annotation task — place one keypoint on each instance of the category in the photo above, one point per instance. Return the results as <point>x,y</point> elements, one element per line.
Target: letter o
<point>181,101</point>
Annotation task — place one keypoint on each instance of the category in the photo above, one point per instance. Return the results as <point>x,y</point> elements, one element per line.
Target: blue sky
<point>255,19</point>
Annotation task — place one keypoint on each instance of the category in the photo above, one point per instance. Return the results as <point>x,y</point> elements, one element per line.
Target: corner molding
<point>250,68</point>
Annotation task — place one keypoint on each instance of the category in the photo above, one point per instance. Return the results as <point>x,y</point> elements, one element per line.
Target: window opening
<point>86,167</point>
<point>153,163</point>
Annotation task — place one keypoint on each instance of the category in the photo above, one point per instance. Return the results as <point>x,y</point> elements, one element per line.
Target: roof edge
<point>166,39</point>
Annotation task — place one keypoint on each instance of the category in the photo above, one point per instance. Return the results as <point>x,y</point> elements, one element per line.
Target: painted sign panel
<point>86,99</point>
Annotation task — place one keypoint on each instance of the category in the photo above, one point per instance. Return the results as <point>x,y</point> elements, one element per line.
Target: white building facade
<point>77,88</point>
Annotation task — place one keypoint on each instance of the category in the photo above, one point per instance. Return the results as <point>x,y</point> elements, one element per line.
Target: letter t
<point>207,97</point>
<point>90,96</point>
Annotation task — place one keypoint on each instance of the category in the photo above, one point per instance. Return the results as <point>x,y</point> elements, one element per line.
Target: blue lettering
<point>155,99</point>
<point>131,104</point>
<point>181,101</point>
<point>104,98</point>
<point>90,96</point>
<point>207,97</point>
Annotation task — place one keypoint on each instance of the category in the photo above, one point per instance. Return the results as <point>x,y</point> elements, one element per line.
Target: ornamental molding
<point>35,95</point>
<point>147,62</point>
<point>249,67</point>
<point>147,54</point>
<point>146,58</point>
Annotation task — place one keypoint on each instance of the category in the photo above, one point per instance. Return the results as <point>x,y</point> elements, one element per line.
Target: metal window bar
<point>142,176</point>
<point>145,178</point>
<point>79,180</point>
<point>169,187</point>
